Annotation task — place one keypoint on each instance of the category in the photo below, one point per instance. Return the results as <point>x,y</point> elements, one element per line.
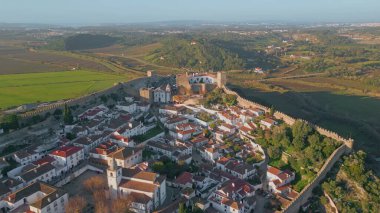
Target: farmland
<point>17,89</point>
<point>19,60</point>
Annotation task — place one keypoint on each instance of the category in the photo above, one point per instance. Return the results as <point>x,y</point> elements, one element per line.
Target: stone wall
<point>288,119</point>
<point>346,147</point>
<point>81,100</point>
<point>307,192</point>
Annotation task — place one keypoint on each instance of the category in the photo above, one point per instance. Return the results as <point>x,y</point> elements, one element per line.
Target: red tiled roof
<point>283,176</point>
<point>199,139</point>
<point>270,121</point>
<point>186,132</point>
<point>184,178</point>
<point>283,188</point>
<point>66,151</point>
<point>245,129</point>
<point>277,182</point>
<point>274,170</point>
<point>229,126</point>
<point>223,160</point>
<point>46,159</point>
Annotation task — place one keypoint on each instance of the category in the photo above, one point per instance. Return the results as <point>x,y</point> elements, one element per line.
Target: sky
<point>90,12</point>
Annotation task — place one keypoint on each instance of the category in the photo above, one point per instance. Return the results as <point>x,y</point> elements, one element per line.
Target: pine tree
<point>67,116</point>
<point>182,208</point>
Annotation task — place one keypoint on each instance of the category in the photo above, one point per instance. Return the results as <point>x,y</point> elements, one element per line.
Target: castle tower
<point>113,177</point>
<point>221,79</point>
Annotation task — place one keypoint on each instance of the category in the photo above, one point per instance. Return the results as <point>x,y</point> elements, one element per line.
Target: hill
<point>351,186</point>
<point>202,55</point>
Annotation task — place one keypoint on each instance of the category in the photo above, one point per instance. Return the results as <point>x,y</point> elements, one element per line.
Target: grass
<point>149,134</point>
<point>18,89</point>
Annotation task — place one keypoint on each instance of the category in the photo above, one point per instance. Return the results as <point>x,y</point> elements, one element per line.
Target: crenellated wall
<point>51,107</point>
<point>346,147</point>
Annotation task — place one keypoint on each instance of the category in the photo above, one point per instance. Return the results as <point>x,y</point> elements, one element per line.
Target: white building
<point>126,157</point>
<point>162,95</point>
<point>68,156</point>
<point>268,123</point>
<point>234,167</point>
<point>122,182</point>
<point>26,156</point>
<point>279,181</point>
<point>31,173</point>
<point>210,154</point>
<point>38,198</point>
<point>128,107</point>
<point>132,129</point>
<point>234,196</point>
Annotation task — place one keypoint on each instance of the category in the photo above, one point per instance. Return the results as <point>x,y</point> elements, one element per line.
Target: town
<point>181,143</point>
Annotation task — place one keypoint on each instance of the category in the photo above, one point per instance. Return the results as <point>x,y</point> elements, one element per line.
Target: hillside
<point>352,187</point>
<point>201,55</point>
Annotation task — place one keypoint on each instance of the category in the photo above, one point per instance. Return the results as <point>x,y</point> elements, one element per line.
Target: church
<point>163,94</point>
<point>145,190</point>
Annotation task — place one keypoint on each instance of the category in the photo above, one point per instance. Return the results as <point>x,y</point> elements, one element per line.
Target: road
<point>293,77</point>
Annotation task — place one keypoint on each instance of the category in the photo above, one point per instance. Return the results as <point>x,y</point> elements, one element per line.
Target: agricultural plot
<point>15,66</point>
<point>20,60</point>
<point>18,89</point>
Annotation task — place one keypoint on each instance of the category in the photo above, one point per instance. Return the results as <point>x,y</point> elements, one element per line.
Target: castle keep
<point>199,83</point>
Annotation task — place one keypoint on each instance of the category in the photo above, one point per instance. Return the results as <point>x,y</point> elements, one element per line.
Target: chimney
<point>49,200</point>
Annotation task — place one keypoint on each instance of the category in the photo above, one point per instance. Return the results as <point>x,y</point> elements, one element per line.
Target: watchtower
<point>221,79</point>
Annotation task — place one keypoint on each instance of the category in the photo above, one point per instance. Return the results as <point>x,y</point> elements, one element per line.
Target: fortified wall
<point>81,100</point>
<point>345,148</point>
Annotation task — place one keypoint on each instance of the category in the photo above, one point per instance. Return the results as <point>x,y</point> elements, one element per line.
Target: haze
<point>133,11</point>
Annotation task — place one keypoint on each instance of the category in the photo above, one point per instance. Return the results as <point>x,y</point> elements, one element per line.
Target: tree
<point>9,122</point>
<point>58,112</point>
<point>104,98</point>
<point>298,143</point>
<point>114,97</point>
<point>272,111</point>
<point>274,152</point>
<point>182,208</point>
<point>207,133</point>
<point>95,183</point>
<point>101,207</point>
<point>120,205</point>
<point>301,129</point>
<point>67,116</point>
<point>76,204</point>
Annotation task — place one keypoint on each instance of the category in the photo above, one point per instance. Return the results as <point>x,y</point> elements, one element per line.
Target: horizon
<point>101,12</point>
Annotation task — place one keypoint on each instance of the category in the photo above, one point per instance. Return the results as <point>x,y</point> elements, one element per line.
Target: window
<point>111,174</point>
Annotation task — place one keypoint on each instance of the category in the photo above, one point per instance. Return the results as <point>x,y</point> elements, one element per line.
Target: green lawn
<point>18,89</point>
<point>149,134</point>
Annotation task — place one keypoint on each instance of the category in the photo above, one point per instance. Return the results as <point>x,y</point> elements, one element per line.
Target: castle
<point>199,83</point>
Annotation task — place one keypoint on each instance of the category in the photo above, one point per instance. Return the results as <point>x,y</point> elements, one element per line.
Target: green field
<point>18,89</point>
